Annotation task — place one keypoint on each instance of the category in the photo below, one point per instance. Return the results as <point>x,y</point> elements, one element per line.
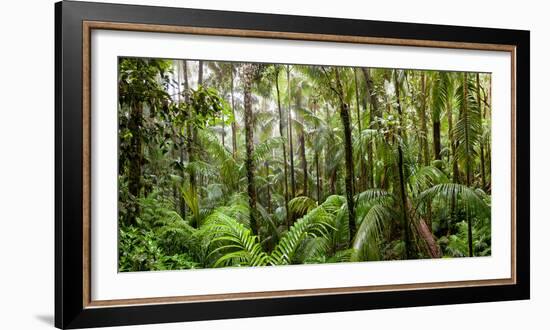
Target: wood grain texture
<point>88,26</point>
<point>86,165</point>
<point>292,36</point>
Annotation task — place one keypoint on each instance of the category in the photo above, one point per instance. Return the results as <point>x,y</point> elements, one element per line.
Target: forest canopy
<point>225,164</point>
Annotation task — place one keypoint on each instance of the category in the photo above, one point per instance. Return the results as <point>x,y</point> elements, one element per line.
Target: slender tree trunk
<point>223,129</point>
<point>452,142</point>
<point>234,123</point>
<point>248,76</point>
<point>481,144</point>
<point>345,117</point>
<point>195,130</point>
<point>304,162</point>
<point>465,117</point>
<point>281,133</point>
<point>266,164</point>
<point>452,158</point>
<point>332,181</point>
<point>362,168</point>
<point>318,175</point>
<point>482,160</point>
<point>424,142</point>
<point>374,112</point>
<point>327,154</point>
<point>424,126</point>
<point>290,142</point>
<point>402,188</point>
<point>173,151</point>
<point>369,164</point>
<point>182,71</point>
<point>190,135</point>
<point>436,123</point>
<point>437,138</point>
<point>201,69</point>
<point>302,147</point>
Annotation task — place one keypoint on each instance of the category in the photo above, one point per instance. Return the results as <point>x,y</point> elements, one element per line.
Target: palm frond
<point>301,205</point>
<point>316,223</point>
<point>369,233</point>
<point>191,199</point>
<point>425,177</point>
<point>465,197</point>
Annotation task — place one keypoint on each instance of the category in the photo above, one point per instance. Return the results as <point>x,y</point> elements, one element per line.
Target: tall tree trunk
<point>452,142</point>
<point>292,174</point>
<point>436,125</point>
<point>195,130</point>
<point>424,142</point>
<point>248,77</point>
<point>374,112</point>
<point>452,158</point>
<point>437,137</point>
<point>318,175</point>
<point>327,154</point>
<point>424,126</point>
<point>304,162</point>
<point>345,117</point>
<point>223,129</point>
<point>465,117</point>
<point>173,154</point>
<point>281,133</point>
<point>302,140</point>
<point>201,69</point>
<point>362,168</point>
<point>266,164</point>
<point>332,181</point>
<point>190,135</point>
<point>402,188</point>
<point>481,144</point>
<point>234,123</point>
<point>182,71</point>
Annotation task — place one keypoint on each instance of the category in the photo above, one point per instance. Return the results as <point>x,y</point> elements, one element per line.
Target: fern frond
<point>316,223</point>
<point>232,244</point>
<point>369,233</point>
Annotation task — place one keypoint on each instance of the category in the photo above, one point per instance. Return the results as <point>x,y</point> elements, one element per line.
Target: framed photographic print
<point>218,164</point>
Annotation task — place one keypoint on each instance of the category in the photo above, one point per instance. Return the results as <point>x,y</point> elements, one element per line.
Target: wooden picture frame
<point>74,306</point>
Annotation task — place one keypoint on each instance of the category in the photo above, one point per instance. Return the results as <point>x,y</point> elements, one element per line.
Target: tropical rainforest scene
<point>226,164</point>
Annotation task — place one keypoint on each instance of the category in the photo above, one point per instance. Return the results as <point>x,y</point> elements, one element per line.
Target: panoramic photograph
<point>232,164</point>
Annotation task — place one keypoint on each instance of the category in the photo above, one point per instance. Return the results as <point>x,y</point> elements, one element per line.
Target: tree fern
<point>231,243</point>
<point>316,223</point>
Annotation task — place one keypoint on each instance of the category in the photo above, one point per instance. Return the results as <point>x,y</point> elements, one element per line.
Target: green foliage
<point>182,142</point>
<point>369,235</point>
<point>207,106</point>
<point>316,223</point>
<point>162,240</point>
<point>300,206</point>
<point>231,243</point>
